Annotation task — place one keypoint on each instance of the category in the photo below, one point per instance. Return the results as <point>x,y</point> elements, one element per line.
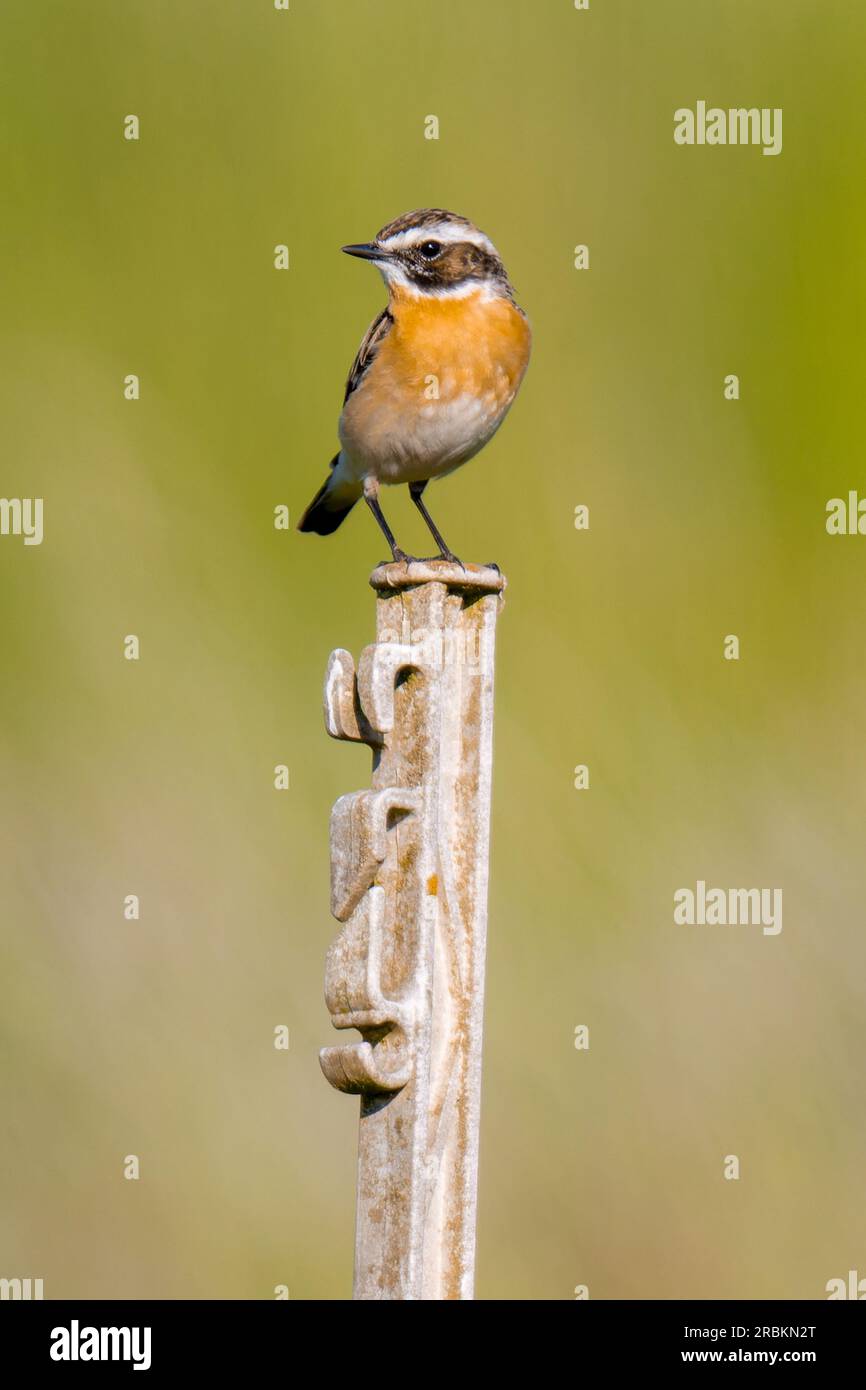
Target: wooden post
<point>409,883</point>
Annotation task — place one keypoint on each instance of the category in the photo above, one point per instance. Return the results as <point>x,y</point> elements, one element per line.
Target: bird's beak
<point>367,251</point>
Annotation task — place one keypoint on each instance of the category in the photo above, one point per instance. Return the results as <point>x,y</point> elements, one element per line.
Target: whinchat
<point>435,373</point>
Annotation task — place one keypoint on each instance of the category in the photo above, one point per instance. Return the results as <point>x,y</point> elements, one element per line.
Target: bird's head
<point>434,252</point>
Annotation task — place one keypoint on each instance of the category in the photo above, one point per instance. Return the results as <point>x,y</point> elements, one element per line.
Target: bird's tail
<point>332,503</point>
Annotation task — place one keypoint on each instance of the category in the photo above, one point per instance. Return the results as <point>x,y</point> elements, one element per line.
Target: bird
<point>436,372</point>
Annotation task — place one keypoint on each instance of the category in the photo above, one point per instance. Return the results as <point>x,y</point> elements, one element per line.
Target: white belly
<point>433,440</point>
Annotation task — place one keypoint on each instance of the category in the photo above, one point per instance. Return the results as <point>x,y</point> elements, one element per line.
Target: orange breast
<point>438,388</point>
<point>476,344</point>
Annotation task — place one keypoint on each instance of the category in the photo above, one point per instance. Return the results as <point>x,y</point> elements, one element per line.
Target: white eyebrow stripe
<point>446,232</point>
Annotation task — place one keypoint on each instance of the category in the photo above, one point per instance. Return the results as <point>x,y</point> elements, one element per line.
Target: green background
<point>260,127</point>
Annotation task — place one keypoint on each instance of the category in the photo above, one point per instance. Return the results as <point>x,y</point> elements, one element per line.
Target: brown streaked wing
<point>370,344</point>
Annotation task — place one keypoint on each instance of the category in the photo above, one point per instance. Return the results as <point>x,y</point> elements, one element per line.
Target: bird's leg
<point>415,491</point>
<point>371,497</point>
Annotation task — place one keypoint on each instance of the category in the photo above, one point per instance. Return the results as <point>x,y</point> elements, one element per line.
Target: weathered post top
<point>487,579</point>
<point>409,863</point>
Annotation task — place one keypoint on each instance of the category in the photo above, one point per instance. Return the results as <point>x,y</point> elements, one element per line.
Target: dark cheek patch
<point>463,261</point>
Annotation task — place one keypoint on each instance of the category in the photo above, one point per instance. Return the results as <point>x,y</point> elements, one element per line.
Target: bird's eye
<point>430,250</point>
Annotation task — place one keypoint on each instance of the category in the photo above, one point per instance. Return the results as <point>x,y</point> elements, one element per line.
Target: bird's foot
<point>451,558</point>
<point>401,558</point>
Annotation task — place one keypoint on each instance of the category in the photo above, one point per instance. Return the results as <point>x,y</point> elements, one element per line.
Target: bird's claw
<point>452,559</point>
